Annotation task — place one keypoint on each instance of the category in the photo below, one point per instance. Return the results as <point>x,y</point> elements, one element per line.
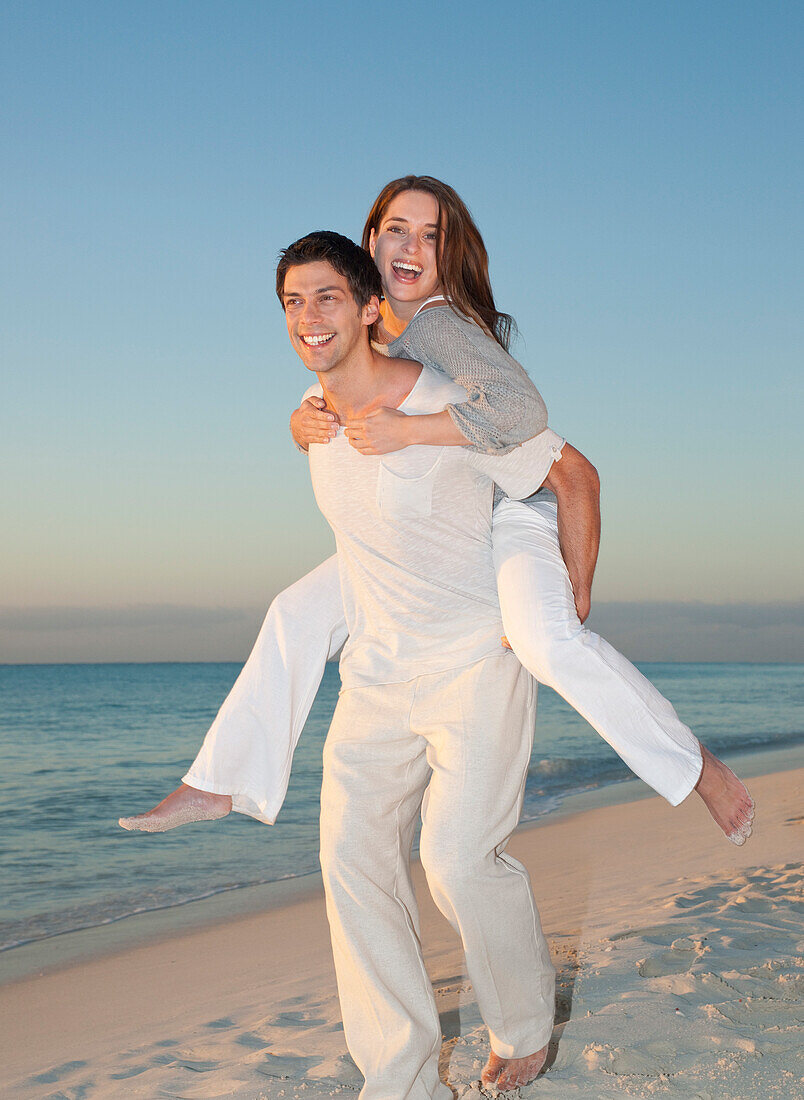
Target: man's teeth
<point>400,265</point>
<point>314,341</point>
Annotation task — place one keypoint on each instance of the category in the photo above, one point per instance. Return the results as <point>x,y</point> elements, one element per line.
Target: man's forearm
<point>576,485</point>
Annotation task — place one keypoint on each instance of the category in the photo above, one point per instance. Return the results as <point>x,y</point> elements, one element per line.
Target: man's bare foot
<point>726,798</point>
<point>182,806</point>
<point>510,1073</point>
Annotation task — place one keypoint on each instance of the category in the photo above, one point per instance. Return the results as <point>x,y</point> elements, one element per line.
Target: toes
<point>516,1078</point>
<point>512,1081</point>
<point>491,1072</point>
<point>497,1075</point>
<point>744,820</point>
<point>505,1075</point>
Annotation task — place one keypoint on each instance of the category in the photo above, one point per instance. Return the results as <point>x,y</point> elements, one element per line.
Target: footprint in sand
<point>295,1019</point>
<point>163,1059</point>
<point>681,956</point>
<point>777,1015</point>
<point>75,1092</point>
<point>721,981</point>
<point>286,1065</point>
<point>52,1076</point>
<point>251,1041</point>
<point>669,962</point>
<point>624,1063</point>
<point>124,1074</point>
<point>198,1065</point>
<point>661,934</point>
<point>343,1074</point>
<point>761,940</point>
<point>757,915</point>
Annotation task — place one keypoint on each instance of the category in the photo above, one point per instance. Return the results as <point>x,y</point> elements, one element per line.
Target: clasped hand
<point>377,433</point>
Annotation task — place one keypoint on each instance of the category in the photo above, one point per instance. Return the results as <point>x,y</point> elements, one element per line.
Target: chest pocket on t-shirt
<point>405,484</point>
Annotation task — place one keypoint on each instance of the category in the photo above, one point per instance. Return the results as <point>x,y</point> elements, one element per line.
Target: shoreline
<point>241,661</point>
<point>73,947</point>
<point>648,909</point>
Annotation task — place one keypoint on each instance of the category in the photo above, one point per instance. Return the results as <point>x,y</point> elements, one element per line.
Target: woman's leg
<point>244,762</point>
<point>543,628</point>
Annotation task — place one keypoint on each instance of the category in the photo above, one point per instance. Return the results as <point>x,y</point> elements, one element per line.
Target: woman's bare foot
<point>510,1073</point>
<point>726,798</point>
<point>182,806</point>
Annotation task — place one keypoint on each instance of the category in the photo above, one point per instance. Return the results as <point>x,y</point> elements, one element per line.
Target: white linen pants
<point>455,745</point>
<point>248,750</point>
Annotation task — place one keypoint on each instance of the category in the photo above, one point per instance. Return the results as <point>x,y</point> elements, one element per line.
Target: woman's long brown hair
<point>461,257</point>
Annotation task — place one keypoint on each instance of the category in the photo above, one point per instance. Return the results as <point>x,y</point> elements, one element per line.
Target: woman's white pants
<point>544,630</point>
<point>248,750</point>
<point>453,746</point>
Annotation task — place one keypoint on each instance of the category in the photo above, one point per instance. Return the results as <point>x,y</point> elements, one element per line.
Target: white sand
<point>680,975</point>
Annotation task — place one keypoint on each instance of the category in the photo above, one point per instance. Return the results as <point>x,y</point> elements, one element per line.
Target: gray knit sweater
<point>503,407</point>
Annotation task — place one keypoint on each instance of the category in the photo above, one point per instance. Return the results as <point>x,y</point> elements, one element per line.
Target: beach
<point>592,253</point>
<point>679,961</point>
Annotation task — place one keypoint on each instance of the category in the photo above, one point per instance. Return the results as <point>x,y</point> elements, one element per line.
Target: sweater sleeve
<point>503,408</point>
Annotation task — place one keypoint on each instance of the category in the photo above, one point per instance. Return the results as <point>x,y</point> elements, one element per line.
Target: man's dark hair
<point>348,259</point>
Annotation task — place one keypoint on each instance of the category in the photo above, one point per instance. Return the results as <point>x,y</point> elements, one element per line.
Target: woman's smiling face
<point>404,248</point>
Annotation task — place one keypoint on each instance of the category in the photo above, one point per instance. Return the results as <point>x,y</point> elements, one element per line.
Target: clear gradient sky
<point>635,168</point>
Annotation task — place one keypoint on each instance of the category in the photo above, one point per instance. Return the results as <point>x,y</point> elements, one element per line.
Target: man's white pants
<point>248,750</point>
<point>455,745</point>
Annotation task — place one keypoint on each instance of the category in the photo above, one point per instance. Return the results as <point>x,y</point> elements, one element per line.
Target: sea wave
<point>78,918</point>
<point>81,744</point>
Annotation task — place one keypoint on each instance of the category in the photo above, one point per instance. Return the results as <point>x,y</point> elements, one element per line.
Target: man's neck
<point>367,381</point>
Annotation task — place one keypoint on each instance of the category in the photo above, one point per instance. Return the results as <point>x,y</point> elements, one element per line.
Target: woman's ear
<point>372,242</point>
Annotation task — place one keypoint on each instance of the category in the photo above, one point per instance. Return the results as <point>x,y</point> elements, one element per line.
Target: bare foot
<point>183,805</point>
<point>510,1073</point>
<point>726,798</point>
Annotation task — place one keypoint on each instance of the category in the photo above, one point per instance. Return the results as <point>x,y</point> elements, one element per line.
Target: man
<point>434,715</point>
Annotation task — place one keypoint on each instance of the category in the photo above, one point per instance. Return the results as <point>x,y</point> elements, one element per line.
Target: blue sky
<point>635,169</point>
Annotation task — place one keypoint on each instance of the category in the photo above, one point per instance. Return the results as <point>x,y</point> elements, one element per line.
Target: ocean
<point>84,744</point>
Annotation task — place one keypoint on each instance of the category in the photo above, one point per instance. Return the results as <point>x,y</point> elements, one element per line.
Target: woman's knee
<point>288,604</point>
<point>546,647</point>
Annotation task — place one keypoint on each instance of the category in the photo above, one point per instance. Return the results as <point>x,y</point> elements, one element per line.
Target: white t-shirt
<point>413,532</point>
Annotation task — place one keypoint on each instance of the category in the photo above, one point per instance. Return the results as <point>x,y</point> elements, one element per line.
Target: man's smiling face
<point>325,323</point>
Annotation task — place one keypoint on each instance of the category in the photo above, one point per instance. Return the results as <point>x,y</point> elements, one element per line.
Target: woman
<point>439,309</point>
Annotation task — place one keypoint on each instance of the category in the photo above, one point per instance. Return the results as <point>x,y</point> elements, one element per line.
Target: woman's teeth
<point>316,341</point>
<point>406,270</point>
